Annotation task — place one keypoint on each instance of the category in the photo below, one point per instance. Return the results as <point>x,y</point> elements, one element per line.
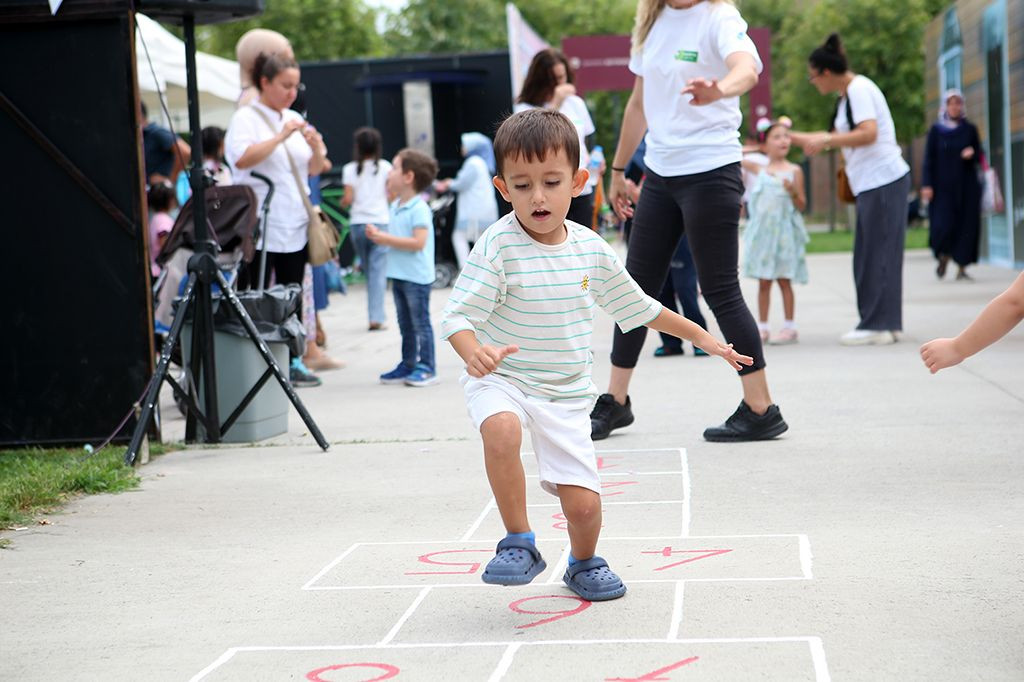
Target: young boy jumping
<point>521,316</point>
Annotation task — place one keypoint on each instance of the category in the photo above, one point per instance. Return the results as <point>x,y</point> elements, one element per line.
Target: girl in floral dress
<point>775,236</point>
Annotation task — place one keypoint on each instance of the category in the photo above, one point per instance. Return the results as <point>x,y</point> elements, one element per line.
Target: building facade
<point>978,47</point>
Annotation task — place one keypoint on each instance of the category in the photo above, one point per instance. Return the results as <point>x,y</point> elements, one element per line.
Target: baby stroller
<point>232,221</point>
<point>446,267</point>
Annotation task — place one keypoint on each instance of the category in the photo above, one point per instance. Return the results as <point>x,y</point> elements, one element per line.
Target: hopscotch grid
<point>326,569</point>
<point>677,612</point>
<point>560,566</point>
<point>687,513</point>
<point>505,663</point>
<point>552,581</point>
<point>479,520</point>
<point>405,616</point>
<point>813,642</point>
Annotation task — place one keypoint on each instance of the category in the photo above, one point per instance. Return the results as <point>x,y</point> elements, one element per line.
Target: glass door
<point>997,225</point>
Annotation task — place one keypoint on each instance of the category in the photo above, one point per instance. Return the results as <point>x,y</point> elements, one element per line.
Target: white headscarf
<point>944,118</point>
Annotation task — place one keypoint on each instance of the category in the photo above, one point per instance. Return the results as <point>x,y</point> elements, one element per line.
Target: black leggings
<point>288,268</point>
<point>706,207</point>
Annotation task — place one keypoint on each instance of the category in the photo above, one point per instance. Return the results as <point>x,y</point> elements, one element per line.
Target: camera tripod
<point>203,273</point>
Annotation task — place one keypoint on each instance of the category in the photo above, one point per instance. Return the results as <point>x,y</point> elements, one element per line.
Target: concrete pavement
<point>880,538</point>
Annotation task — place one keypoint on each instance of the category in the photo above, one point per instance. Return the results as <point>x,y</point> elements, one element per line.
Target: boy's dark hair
<point>366,146</point>
<point>268,66</point>
<point>160,197</point>
<point>532,134</point>
<point>829,56</point>
<point>423,166</point>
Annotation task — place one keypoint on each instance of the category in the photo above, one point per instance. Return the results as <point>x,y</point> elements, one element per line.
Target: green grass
<point>35,481</point>
<point>842,240</point>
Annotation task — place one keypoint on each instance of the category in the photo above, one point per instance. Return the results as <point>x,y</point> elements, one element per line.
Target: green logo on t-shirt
<point>686,55</point>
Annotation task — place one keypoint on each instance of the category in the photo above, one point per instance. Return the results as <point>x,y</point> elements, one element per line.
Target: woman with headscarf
<point>475,204</point>
<point>251,45</point>
<point>950,185</point>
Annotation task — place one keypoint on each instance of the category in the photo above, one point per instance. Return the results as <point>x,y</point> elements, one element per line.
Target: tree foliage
<point>321,30</point>
<point>447,26</point>
<point>884,41</point>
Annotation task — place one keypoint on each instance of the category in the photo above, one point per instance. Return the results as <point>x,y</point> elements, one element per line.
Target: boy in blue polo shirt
<point>410,265</point>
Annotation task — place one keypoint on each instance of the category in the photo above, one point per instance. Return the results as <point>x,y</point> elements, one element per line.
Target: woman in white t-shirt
<point>367,200</point>
<point>549,85</point>
<point>880,180</point>
<point>692,60</point>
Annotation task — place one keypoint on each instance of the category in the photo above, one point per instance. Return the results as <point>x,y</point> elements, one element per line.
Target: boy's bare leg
<point>582,509</point>
<point>503,435</point>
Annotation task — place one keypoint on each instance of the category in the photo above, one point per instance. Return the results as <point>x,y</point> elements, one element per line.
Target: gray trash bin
<point>240,365</point>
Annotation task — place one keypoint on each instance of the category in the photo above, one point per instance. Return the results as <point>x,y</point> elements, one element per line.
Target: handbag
<point>322,236</point>
<point>991,191</point>
<point>843,189</point>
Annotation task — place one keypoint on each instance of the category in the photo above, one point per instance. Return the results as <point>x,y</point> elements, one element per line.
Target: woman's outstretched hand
<point>704,91</point>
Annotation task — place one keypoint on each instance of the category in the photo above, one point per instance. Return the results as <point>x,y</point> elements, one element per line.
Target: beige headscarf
<point>248,47</point>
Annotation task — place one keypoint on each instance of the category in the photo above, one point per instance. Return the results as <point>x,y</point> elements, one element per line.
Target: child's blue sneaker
<point>421,376</point>
<point>593,580</point>
<point>516,562</point>
<point>397,375</point>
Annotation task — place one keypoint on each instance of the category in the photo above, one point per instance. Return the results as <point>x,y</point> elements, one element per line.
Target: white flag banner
<point>523,43</point>
<point>54,6</point>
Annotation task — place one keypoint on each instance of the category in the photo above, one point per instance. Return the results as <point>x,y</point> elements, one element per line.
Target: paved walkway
<point>879,539</point>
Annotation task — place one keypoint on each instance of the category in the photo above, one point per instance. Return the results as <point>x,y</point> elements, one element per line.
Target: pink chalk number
<point>473,566</point>
<point>389,671</point>
<point>655,674</point>
<point>582,605</point>
<point>704,554</point>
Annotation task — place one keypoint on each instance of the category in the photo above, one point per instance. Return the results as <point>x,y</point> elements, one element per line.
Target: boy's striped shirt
<point>515,290</point>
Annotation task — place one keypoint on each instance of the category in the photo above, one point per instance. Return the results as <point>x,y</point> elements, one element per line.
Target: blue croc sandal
<point>516,563</point>
<point>593,580</point>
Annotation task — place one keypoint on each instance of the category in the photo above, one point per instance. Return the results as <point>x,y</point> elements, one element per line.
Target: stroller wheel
<point>444,275</point>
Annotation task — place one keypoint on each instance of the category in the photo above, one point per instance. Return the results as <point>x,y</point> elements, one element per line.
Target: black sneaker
<point>744,425</point>
<point>608,415</point>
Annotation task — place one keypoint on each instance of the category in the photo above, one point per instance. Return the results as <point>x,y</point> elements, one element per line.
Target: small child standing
<point>775,238</point>
<point>1003,313</point>
<point>161,201</point>
<point>521,316</point>
<point>410,265</point>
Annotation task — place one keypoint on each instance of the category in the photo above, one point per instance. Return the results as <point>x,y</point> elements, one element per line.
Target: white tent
<point>217,78</point>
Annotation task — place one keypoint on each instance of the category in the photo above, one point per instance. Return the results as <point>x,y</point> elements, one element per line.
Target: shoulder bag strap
<point>303,190</point>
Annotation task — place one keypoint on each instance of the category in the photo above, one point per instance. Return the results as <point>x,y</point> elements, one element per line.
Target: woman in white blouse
<point>475,205</point>
<point>268,138</point>
<point>692,60</point>
<point>880,181</point>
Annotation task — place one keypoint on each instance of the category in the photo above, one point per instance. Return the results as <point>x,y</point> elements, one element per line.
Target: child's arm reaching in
<point>1002,314</point>
<point>414,243</point>
<point>480,359</point>
<point>677,325</point>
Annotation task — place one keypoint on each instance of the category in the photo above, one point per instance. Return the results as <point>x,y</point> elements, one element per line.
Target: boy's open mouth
<point>540,214</point>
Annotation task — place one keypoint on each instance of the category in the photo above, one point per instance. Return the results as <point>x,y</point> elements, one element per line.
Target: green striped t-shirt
<point>540,297</point>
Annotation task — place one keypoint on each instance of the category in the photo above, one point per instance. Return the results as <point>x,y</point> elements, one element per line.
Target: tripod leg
<point>268,357</point>
<point>149,401</point>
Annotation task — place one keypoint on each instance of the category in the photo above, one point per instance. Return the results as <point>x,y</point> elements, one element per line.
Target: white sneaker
<point>867,337</point>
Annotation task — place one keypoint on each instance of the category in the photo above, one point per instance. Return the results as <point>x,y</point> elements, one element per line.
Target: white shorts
<point>559,429</point>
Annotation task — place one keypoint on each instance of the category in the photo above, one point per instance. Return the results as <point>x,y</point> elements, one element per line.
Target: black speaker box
<point>76,322</point>
<point>204,11</point>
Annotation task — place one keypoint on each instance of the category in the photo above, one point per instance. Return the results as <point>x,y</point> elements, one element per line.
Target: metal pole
<point>204,363</point>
